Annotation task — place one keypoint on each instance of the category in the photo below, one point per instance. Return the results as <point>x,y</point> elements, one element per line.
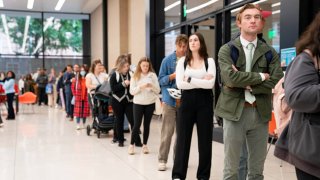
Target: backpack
<point>234,54</point>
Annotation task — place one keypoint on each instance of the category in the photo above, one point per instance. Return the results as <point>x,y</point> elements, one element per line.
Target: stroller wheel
<point>98,134</point>
<point>88,130</point>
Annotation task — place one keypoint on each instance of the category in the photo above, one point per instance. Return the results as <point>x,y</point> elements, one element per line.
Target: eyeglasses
<point>256,17</point>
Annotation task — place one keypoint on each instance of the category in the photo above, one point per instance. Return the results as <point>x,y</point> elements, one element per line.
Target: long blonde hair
<point>120,62</point>
<point>137,73</point>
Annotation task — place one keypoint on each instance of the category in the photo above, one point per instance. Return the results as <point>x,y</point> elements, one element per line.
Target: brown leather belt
<point>246,104</point>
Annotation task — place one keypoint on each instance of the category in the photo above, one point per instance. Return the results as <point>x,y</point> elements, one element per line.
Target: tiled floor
<point>46,146</point>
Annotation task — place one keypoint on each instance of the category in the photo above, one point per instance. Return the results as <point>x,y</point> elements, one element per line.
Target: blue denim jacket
<point>168,66</point>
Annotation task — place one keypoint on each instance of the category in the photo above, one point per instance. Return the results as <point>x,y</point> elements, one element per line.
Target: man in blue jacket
<point>167,78</point>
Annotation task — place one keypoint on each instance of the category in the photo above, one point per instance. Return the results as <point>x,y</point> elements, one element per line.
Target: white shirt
<point>196,75</point>
<point>21,84</point>
<point>96,80</point>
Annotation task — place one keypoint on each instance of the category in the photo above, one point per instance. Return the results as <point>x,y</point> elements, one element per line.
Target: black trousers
<point>120,109</point>
<point>0,118</point>
<point>42,95</point>
<point>196,108</point>
<point>301,175</point>
<point>10,98</point>
<point>139,112</point>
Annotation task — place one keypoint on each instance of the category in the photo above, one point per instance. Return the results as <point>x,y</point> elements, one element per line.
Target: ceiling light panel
<point>30,4</point>
<point>59,5</point>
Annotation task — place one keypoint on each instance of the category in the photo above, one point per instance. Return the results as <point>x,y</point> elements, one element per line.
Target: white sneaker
<point>162,167</point>
<point>131,150</point>
<point>78,127</point>
<point>145,149</point>
<point>1,125</point>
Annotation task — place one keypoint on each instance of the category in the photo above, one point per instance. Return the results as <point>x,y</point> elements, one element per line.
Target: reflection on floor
<point>46,146</point>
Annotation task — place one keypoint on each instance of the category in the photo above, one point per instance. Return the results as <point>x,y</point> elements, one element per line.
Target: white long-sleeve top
<point>145,96</point>
<point>196,75</point>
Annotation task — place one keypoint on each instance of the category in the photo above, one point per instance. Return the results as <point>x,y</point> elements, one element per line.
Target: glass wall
<point>19,32</point>
<point>197,8</point>
<point>29,42</point>
<point>170,39</point>
<point>172,12</point>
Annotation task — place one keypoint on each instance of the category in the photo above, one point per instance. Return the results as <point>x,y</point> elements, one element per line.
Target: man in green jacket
<point>245,100</point>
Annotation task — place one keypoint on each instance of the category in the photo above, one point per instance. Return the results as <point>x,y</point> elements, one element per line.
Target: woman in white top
<point>195,76</point>
<point>95,77</point>
<point>145,88</point>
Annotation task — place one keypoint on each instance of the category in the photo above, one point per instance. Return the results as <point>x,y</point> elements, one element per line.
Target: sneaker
<point>162,167</point>
<point>131,150</point>
<point>1,124</point>
<point>78,127</point>
<point>145,149</point>
<point>83,126</point>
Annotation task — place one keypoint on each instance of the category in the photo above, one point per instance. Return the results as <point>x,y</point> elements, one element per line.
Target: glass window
<point>19,32</point>
<point>170,40</point>
<point>172,12</point>
<point>271,14</point>
<point>197,8</point>
<point>63,34</point>
<point>23,47</point>
<point>206,28</point>
<point>231,2</point>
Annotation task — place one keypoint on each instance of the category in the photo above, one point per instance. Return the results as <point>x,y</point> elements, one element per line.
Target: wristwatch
<point>189,79</point>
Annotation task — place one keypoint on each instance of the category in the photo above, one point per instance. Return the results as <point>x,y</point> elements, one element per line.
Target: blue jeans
<point>83,120</point>
<point>69,106</point>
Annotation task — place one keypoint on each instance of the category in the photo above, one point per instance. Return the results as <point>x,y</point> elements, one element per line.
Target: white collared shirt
<point>244,44</point>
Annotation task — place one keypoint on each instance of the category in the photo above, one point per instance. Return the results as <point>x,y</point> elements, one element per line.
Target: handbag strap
<point>97,79</point>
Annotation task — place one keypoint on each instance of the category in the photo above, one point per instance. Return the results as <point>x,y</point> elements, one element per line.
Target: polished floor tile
<point>46,146</point>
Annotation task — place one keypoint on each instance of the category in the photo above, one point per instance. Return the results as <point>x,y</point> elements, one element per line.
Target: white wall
<point>113,32</point>
<point>126,30</point>
<point>137,29</point>
<point>96,34</point>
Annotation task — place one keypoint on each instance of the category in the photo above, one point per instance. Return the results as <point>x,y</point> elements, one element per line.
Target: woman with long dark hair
<point>9,90</point>
<point>195,76</point>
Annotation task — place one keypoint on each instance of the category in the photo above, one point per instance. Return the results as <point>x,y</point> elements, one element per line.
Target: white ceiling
<point>70,6</point>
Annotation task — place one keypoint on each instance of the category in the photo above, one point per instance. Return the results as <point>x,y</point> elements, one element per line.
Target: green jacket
<point>231,100</point>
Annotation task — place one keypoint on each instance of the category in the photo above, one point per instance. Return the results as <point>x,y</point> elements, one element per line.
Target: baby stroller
<point>103,119</point>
